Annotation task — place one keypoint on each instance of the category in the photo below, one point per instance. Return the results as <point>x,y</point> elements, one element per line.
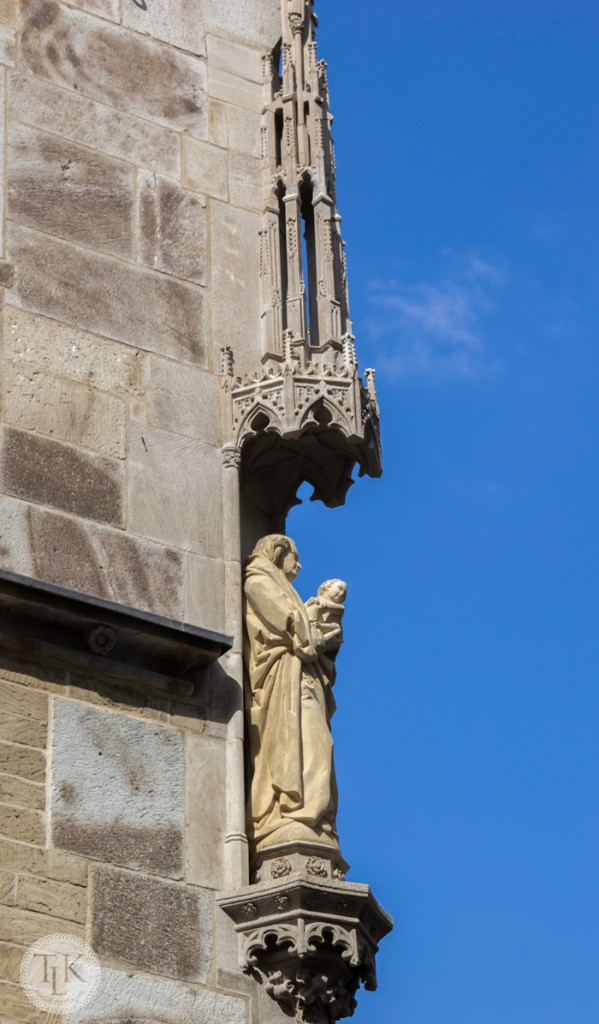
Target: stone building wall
<point>130,203</point>
<point>130,210</point>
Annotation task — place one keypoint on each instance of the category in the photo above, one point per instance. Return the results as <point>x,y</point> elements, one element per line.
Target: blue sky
<point>468,691</point>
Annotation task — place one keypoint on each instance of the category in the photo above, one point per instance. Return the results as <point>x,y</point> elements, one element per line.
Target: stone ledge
<point>42,618</point>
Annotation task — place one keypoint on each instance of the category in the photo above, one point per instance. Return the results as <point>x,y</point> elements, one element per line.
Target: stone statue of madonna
<point>289,654</point>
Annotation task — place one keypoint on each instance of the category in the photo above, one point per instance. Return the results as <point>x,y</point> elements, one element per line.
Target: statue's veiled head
<point>280,550</point>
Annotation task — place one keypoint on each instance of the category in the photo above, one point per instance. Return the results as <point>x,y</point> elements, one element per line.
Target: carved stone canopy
<point>305,417</point>
<point>307,934</point>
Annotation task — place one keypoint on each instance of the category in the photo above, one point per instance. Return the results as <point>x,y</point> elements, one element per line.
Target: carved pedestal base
<point>310,936</point>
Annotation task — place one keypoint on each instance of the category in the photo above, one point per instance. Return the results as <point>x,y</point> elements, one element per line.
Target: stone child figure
<point>289,652</point>
<point>326,611</point>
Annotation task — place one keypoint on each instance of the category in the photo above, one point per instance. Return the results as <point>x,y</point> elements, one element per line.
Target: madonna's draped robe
<point>293,788</point>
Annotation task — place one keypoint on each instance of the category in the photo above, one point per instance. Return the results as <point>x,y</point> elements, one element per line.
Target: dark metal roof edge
<point>75,601</point>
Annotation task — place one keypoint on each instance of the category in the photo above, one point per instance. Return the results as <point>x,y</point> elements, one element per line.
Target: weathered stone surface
<point>152,925</point>
<point>15,544</point>
<point>24,824</point>
<point>20,700</point>
<point>66,190</point>
<point>125,997</point>
<point>243,130</point>
<point>48,863</point>
<point>237,59</point>
<point>184,400</point>
<point>105,562</point>
<point>24,927</point>
<point>217,113</point>
<point>58,475</point>
<point>222,85</point>
<point>58,899</point>
<point>205,168</point>
<point>2,158</point>
<point>17,1007</point>
<point>245,181</point>
<point>23,761</point>
<point>92,124</point>
<point>64,410</point>
<point>106,297</point>
<point>206,801</point>
<point>117,794</point>
<point>112,65</point>
<point>8,12</point>
<point>185,26</point>
<point>257,21</point>
<point>103,8</point>
<point>175,490</point>
<point>172,228</point>
<point>67,352</point>
<point>8,46</point>
<point>21,793</point>
<point>22,729</point>
<point>178,23</point>
<point>7,274</point>
<point>235,269</point>
<point>10,959</point>
<point>205,592</point>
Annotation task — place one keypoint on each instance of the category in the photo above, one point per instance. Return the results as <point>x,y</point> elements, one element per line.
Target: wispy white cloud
<point>436,329</point>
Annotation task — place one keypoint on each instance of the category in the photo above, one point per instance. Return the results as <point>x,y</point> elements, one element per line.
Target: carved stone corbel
<point>309,936</point>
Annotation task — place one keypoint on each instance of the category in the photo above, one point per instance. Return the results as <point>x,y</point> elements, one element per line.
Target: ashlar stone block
<point>254,21</point>
<point>245,181</point>
<point>15,547</point>
<point>8,46</point>
<point>50,473</point>
<point>237,59</point>
<point>107,297</point>
<point>205,168</point>
<point>235,236</point>
<point>243,130</point>
<point>110,64</point>
<point>23,927</point>
<point>205,592</point>
<point>184,400</point>
<point>172,228</point>
<point>59,899</point>
<point>21,793</point>
<point>178,22</point>
<point>103,8</point>
<point>224,85</point>
<point>75,117</point>
<point>64,410</point>
<point>218,122</point>
<point>138,997</point>
<point>152,925</point>
<point>47,863</point>
<point>66,190</point>
<point>35,341</point>
<point>117,793</point>
<point>31,732</point>
<point>175,490</point>
<point>22,700</point>
<point>8,12</point>
<point>206,801</point>
<point>105,562</point>
<point>22,761</point>
<point>24,824</point>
